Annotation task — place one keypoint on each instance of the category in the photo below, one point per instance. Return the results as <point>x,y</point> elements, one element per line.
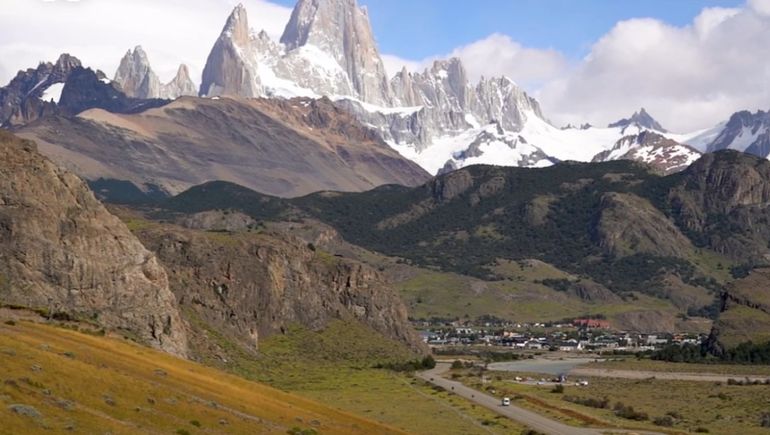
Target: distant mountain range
<point>437,118</point>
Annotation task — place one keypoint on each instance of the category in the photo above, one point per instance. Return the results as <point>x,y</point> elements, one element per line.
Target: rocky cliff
<point>62,251</point>
<point>721,202</point>
<point>251,285</point>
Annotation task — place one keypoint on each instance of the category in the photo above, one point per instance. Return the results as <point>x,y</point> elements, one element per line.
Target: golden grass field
<point>91,384</point>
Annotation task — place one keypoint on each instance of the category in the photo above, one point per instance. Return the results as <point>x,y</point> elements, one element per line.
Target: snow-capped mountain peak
<point>640,119</point>
<point>654,149</point>
<point>341,29</point>
<point>745,131</point>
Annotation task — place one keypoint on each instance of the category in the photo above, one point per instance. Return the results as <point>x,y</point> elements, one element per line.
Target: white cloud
<point>394,64</point>
<point>688,77</point>
<point>494,56</point>
<point>99,32</point>
<point>498,55</point>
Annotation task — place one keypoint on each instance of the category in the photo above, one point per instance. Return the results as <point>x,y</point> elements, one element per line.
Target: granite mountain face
<point>137,79</point>
<point>63,252</point>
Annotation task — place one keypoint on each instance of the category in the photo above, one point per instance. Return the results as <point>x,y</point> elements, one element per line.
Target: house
<point>533,344</point>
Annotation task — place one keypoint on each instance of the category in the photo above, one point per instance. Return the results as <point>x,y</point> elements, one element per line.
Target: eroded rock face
<point>61,250</point>
<point>255,285</point>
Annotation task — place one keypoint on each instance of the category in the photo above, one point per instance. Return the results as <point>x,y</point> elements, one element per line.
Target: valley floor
<point>663,400</point>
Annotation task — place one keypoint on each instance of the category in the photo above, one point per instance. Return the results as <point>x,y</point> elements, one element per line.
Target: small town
<point>579,335</point>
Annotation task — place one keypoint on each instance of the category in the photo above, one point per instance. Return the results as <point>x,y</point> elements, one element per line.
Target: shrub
<point>428,362</point>
<point>195,423</point>
<point>457,364</point>
<point>629,413</point>
<point>701,430</point>
<point>182,432</point>
<point>765,420</point>
<point>558,389</point>
<point>10,323</point>
<point>665,421</point>
<point>589,401</point>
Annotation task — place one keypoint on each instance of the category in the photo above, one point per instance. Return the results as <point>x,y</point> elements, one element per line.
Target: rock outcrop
<point>721,202</point>
<point>744,313</point>
<point>628,224</point>
<point>62,251</point>
<point>251,286</point>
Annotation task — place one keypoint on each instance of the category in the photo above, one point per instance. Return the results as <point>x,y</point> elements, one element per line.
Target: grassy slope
<point>98,384</point>
<point>335,367</point>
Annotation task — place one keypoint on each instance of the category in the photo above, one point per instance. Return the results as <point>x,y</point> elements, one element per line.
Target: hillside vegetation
<point>50,385</point>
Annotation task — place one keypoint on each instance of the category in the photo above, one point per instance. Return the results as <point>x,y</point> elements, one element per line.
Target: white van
<point>506,401</point>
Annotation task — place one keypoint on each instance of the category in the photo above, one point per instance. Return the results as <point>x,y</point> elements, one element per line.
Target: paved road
<point>640,374</point>
<point>531,419</point>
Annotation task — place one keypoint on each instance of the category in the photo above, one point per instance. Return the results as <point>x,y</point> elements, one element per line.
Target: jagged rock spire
<point>342,30</point>
<point>228,70</point>
<point>135,76</point>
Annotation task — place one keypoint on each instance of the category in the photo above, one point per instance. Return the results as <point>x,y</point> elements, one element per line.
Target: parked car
<point>506,401</point>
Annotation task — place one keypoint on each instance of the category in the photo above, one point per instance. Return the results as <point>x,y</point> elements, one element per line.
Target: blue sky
<point>416,29</point>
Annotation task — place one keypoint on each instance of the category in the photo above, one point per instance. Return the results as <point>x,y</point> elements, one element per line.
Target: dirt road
<point>529,418</point>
